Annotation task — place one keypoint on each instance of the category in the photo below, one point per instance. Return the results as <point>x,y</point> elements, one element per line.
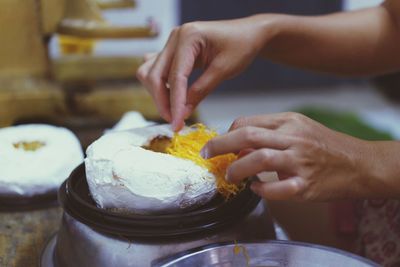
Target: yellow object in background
<point>111,4</point>
<point>71,45</point>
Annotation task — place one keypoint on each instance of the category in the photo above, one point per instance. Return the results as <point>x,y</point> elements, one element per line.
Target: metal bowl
<point>264,254</point>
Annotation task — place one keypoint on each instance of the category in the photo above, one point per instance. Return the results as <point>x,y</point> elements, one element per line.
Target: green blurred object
<point>345,122</point>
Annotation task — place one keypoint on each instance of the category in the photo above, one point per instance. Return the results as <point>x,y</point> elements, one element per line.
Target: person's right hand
<point>221,48</point>
<point>313,163</point>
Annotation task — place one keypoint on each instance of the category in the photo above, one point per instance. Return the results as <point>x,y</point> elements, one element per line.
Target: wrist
<point>380,172</point>
<point>266,27</point>
<point>269,29</point>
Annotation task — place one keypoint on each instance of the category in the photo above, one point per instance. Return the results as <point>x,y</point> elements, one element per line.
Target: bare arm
<point>365,42</point>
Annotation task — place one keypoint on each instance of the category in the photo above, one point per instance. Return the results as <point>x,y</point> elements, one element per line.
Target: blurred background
<point>73,63</point>
<point>267,86</point>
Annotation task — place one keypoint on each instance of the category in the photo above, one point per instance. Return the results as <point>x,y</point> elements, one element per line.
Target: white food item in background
<point>28,173</point>
<point>123,175</point>
<point>130,120</point>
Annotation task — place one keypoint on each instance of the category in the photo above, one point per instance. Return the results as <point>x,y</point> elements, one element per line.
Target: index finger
<point>158,76</point>
<point>269,121</point>
<point>245,138</point>
<point>181,68</point>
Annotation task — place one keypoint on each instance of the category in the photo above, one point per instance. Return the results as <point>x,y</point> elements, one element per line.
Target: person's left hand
<point>312,161</point>
<point>219,48</point>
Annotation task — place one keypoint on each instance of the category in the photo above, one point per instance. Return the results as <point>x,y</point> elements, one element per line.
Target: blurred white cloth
<point>357,4</point>
<point>387,119</point>
<point>130,120</point>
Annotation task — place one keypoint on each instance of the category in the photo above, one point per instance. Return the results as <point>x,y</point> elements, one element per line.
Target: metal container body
<point>268,253</point>
<point>80,245</point>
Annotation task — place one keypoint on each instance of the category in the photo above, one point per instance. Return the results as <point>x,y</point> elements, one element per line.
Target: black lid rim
<point>10,202</point>
<point>148,226</point>
<point>110,213</point>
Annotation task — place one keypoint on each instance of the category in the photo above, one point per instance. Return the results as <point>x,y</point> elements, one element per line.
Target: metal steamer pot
<point>90,236</point>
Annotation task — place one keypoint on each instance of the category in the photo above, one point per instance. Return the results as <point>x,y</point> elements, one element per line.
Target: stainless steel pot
<point>265,254</point>
<point>90,236</point>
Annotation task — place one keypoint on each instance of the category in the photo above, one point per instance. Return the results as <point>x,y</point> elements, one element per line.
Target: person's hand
<point>221,48</point>
<point>312,161</point>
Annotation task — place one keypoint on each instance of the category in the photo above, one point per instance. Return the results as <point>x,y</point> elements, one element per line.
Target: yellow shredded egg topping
<point>189,145</point>
<point>29,146</point>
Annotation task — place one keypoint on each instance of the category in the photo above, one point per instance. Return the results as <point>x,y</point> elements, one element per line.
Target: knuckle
<point>289,116</point>
<point>177,78</point>
<point>304,163</point>
<point>308,192</point>
<point>300,141</point>
<point>191,28</point>
<point>238,123</point>
<point>154,80</point>
<point>309,195</point>
<point>293,117</point>
<point>219,65</point>
<point>141,74</point>
<point>250,136</point>
<point>265,157</point>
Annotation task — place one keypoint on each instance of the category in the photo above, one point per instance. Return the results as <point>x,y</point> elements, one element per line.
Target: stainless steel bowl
<point>264,254</point>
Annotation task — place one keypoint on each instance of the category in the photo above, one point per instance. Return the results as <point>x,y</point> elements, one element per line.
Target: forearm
<point>380,169</point>
<point>365,42</point>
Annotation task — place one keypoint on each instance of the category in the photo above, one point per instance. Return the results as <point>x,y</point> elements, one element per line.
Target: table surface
<point>23,235</point>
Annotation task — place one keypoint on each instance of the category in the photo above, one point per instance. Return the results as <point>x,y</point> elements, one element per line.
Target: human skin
<point>312,161</point>
<point>315,163</point>
<point>364,43</point>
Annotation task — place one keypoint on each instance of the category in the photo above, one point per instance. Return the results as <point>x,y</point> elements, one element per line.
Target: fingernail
<point>253,187</point>
<point>175,126</point>
<point>204,153</point>
<point>298,184</point>
<point>227,178</point>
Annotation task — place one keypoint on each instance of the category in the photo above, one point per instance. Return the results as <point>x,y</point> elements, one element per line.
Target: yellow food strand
<point>189,145</point>
<point>237,249</point>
